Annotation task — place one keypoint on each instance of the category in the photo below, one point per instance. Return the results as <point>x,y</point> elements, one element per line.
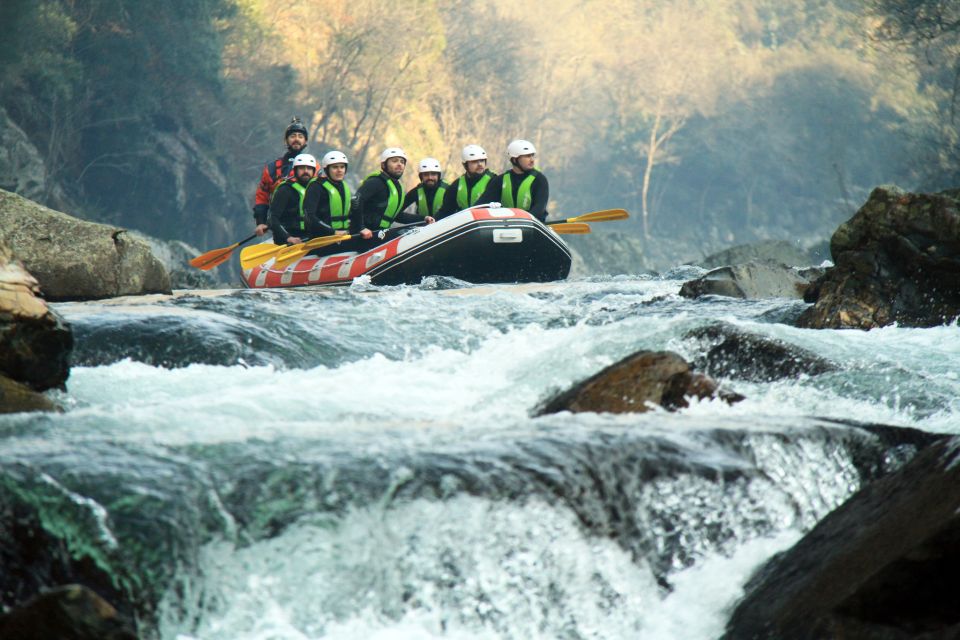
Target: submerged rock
<point>71,612</point>
<point>635,383</point>
<point>751,280</point>
<point>897,260</point>
<point>78,260</point>
<point>35,343</point>
<point>883,565</point>
<point>732,353</point>
<point>777,251</point>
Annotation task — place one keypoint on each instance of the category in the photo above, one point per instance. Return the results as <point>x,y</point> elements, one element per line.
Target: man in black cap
<point>295,137</point>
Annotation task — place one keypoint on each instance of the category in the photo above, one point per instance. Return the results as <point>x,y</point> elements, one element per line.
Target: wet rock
<point>35,343</point>
<point>883,565</point>
<point>777,251</point>
<point>71,612</point>
<point>740,355</point>
<point>635,383</point>
<point>78,260</point>
<point>897,260</point>
<point>751,280</point>
<point>16,398</point>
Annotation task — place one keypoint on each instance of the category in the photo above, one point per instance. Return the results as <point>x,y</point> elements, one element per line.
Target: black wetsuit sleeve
<point>492,192</point>
<point>311,204</point>
<point>278,205</point>
<point>411,198</point>
<point>540,195</point>
<point>371,201</point>
<point>449,204</point>
<point>408,218</point>
<point>260,213</point>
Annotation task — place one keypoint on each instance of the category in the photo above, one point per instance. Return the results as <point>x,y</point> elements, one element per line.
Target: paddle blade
<point>212,258</point>
<point>571,227</point>
<point>602,216</point>
<point>325,241</point>
<point>258,254</point>
<point>289,255</point>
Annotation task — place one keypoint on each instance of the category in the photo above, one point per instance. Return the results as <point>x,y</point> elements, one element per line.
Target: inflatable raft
<point>482,245</point>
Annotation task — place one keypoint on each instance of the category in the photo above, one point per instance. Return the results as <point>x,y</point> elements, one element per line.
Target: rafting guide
<point>295,137</point>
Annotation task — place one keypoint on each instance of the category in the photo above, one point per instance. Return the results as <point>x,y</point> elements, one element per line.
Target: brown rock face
<point>897,260</point>
<point>77,260</point>
<point>633,384</point>
<point>72,611</point>
<point>35,343</point>
<point>882,565</point>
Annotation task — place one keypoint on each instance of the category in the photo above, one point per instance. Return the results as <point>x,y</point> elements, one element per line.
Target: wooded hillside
<point>713,122</point>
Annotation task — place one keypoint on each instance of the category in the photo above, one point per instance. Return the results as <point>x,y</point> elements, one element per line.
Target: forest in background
<point>714,122</point>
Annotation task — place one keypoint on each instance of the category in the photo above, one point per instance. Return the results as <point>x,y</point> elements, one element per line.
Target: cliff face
<point>169,186</point>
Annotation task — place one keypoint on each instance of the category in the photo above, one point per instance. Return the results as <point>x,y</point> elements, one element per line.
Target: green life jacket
<point>339,210</point>
<point>524,200</point>
<point>302,192</point>
<point>467,196</point>
<point>394,202</point>
<point>423,206</point>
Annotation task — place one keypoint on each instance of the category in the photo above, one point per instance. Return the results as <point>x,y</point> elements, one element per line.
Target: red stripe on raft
<point>500,214</point>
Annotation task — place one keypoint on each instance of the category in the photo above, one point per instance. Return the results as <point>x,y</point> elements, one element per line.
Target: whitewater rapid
<point>362,462</point>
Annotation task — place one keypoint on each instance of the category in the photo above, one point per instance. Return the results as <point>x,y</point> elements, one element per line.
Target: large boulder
<point>635,384</point>
<point>779,251</point>
<point>897,260</point>
<point>35,343</point>
<point>78,260</point>
<point>71,612</point>
<point>752,280</point>
<point>883,565</point>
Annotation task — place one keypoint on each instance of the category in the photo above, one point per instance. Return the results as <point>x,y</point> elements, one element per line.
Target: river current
<point>362,462</point>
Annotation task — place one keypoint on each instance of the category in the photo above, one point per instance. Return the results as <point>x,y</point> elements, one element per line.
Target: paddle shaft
<point>604,215</point>
<point>217,256</point>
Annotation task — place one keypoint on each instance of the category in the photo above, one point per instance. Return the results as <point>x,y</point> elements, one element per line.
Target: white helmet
<point>473,152</point>
<point>428,165</point>
<point>305,160</point>
<point>519,148</point>
<point>333,157</point>
<point>393,152</point>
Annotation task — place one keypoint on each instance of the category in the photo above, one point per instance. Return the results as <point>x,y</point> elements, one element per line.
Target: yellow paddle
<point>214,257</point>
<point>605,215</point>
<point>291,253</point>
<point>570,227</point>
<point>252,256</point>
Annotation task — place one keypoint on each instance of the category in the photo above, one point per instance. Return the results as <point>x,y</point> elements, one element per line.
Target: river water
<point>362,462</point>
